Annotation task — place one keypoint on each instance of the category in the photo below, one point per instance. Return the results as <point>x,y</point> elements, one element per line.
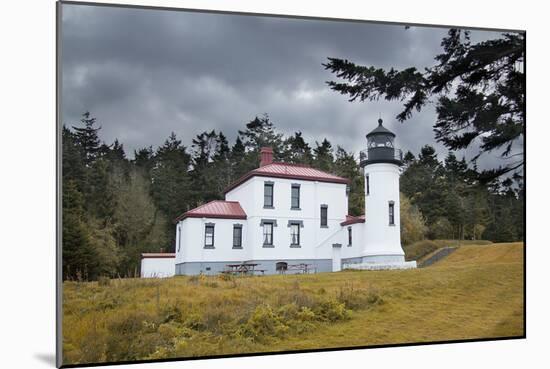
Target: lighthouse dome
<point>380,131</point>
<point>380,147</point>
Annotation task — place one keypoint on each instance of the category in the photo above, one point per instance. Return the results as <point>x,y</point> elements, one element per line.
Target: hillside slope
<point>477,292</point>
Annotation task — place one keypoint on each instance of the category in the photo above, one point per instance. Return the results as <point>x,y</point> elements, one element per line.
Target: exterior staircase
<point>436,256</point>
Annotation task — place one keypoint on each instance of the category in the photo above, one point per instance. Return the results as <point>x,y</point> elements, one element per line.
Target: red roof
<point>216,209</point>
<point>158,255</point>
<point>350,219</point>
<point>289,171</point>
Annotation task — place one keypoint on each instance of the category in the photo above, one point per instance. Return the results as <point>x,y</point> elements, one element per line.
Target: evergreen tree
<point>239,164</point>
<point>87,138</point>
<point>80,259</point>
<point>480,91</point>
<point>171,183</point>
<point>260,132</point>
<point>297,150</point>
<point>72,165</point>
<point>323,156</point>
<point>139,226</point>
<point>346,166</point>
<point>144,159</point>
<point>204,175</point>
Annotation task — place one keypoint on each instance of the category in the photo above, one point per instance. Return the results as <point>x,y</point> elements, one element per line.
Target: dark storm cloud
<point>146,73</point>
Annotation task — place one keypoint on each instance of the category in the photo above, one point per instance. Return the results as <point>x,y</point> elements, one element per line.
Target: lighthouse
<point>381,162</point>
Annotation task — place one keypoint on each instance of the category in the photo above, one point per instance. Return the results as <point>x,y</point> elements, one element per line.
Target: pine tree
<point>260,132</point>
<point>239,164</point>
<point>346,166</point>
<point>171,183</point>
<point>323,158</point>
<point>297,150</point>
<point>87,138</point>
<point>480,91</point>
<point>144,159</point>
<point>80,260</point>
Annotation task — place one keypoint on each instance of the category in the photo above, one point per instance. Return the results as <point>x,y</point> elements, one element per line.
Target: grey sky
<point>146,73</point>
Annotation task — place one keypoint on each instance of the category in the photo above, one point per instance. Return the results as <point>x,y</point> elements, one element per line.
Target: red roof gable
<point>289,171</point>
<point>216,209</point>
<point>350,219</point>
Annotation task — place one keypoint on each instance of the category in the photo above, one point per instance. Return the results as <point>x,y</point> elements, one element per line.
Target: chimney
<point>266,156</point>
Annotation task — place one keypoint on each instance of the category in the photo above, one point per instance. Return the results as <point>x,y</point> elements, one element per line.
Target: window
<point>295,197</point>
<point>324,216</point>
<point>392,213</point>
<point>349,236</point>
<point>268,234</point>
<point>367,184</point>
<point>209,236</point>
<point>237,236</point>
<point>268,194</point>
<point>295,234</point>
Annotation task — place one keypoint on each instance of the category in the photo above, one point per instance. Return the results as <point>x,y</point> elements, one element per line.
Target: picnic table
<point>301,268</point>
<point>243,268</point>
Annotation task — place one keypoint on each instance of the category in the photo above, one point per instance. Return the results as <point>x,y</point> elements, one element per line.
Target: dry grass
<point>477,292</point>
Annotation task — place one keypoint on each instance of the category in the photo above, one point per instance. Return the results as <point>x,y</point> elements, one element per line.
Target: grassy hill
<point>476,292</point>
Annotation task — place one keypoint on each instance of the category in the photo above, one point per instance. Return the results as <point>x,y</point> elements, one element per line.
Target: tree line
<point>449,200</point>
<point>115,208</point>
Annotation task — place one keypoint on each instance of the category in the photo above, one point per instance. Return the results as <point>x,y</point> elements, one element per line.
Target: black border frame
<point>58,184</point>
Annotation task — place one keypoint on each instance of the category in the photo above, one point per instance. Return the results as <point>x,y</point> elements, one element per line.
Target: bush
<point>132,335</point>
<point>331,311</point>
<point>263,323</point>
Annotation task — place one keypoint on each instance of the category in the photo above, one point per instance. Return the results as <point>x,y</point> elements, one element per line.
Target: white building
<point>157,265</point>
<point>281,214</point>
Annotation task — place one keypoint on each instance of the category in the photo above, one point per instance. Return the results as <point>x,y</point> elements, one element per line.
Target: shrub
<point>263,323</point>
<point>331,310</point>
<point>132,335</point>
<point>306,315</point>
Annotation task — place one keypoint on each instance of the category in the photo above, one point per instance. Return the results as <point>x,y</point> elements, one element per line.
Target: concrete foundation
<point>211,268</point>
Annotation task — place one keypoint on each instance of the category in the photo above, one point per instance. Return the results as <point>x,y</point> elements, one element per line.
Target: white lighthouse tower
<point>380,162</point>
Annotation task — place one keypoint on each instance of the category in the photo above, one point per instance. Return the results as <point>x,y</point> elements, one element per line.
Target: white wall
<point>157,267</point>
<point>192,244</point>
<point>380,237</point>
<point>313,238</point>
<point>358,243</point>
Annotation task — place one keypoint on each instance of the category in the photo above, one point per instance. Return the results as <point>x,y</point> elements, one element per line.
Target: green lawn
<point>477,292</point>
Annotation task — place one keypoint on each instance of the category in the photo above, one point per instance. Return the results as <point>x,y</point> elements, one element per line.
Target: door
<point>336,257</point>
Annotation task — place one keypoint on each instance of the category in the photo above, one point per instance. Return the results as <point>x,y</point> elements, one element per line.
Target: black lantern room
<point>380,148</point>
